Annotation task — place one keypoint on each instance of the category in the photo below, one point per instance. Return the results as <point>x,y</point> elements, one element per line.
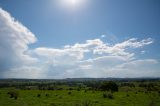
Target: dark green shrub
<point>70,89</point>
<point>96,101</point>
<point>146,92</point>
<point>78,89</point>
<point>69,93</point>
<point>38,95</point>
<point>47,95</point>
<point>104,95</point>
<point>60,89</point>
<point>109,86</point>
<point>108,95</point>
<point>13,94</point>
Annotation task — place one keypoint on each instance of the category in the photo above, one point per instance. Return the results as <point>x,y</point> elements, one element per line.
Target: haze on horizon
<point>56,39</point>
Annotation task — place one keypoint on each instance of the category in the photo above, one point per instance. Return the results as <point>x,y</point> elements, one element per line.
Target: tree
<point>109,86</point>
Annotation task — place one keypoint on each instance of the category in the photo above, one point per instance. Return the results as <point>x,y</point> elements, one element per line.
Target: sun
<point>72,3</point>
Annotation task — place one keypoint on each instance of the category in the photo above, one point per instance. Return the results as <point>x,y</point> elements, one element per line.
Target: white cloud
<point>14,40</point>
<point>93,58</point>
<point>63,64</point>
<point>71,60</point>
<point>120,49</point>
<point>68,53</point>
<point>134,43</point>
<point>54,53</point>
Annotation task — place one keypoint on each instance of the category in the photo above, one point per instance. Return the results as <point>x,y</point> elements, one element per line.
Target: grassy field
<point>79,98</point>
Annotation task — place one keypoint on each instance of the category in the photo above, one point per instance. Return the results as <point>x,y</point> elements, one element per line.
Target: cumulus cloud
<point>71,60</point>
<point>93,58</point>
<point>14,41</point>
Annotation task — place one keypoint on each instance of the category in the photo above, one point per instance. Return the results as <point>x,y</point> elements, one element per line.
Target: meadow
<point>65,95</point>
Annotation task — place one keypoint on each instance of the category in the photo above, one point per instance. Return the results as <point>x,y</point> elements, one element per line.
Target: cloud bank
<point>14,41</point>
<point>93,58</point>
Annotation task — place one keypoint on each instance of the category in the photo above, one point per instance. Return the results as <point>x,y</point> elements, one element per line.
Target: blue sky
<point>95,32</point>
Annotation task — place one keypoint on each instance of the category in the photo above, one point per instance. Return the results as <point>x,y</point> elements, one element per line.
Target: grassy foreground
<point>79,98</point>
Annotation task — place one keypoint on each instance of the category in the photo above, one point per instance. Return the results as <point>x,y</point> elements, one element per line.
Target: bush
<point>13,94</point>
<point>108,95</point>
<point>96,102</point>
<point>85,90</point>
<point>60,89</point>
<point>146,92</point>
<point>47,95</point>
<point>39,95</point>
<point>69,93</point>
<point>109,86</point>
<point>70,89</point>
<point>78,89</point>
<point>104,95</point>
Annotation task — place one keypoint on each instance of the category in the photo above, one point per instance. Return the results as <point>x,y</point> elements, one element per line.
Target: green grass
<point>62,98</point>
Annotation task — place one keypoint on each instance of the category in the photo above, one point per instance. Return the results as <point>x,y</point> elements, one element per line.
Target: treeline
<point>100,84</point>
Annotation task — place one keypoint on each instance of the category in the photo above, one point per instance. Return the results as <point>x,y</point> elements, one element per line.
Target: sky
<point>56,39</point>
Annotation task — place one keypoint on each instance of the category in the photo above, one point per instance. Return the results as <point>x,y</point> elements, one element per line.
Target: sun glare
<point>72,3</point>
